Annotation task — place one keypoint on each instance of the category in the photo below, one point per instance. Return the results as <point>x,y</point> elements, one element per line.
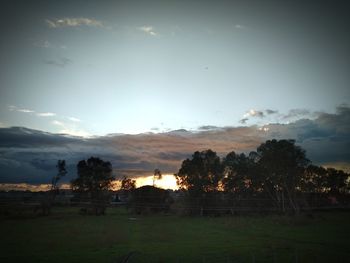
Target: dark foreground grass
<point>65,236</point>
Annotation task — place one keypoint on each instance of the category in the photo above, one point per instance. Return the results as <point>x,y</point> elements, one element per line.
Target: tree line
<point>278,175</point>
<point>278,171</point>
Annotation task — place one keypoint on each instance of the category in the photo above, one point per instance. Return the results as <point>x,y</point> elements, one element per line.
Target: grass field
<point>65,236</point>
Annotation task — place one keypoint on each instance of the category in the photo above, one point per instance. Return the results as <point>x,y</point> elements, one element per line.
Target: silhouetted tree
<point>336,181</point>
<point>200,176</point>
<point>47,202</point>
<point>157,175</point>
<point>283,164</point>
<point>94,179</point>
<point>314,180</point>
<point>243,182</point>
<point>318,179</point>
<point>255,174</point>
<point>236,173</point>
<point>278,174</point>
<point>61,171</point>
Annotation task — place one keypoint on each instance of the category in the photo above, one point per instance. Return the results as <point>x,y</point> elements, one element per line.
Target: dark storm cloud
<point>19,137</point>
<point>326,138</point>
<point>30,156</point>
<point>338,122</point>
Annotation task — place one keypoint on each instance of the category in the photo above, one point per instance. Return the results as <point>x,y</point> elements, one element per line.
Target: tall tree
<point>200,174</point>
<point>94,179</point>
<point>47,202</point>
<point>314,179</point>
<point>157,175</point>
<point>336,181</point>
<point>61,171</point>
<point>283,164</point>
<point>318,179</point>
<point>236,173</point>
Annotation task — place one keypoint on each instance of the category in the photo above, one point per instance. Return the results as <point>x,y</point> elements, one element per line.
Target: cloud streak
<point>14,108</point>
<point>39,114</point>
<point>47,45</point>
<point>239,26</point>
<point>65,128</point>
<point>148,30</point>
<point>61,62</point>
<point>74,119</point>
<point>43,44</point>
<point>73,22</point>
<point>57,123</point>
<point>46,114</point>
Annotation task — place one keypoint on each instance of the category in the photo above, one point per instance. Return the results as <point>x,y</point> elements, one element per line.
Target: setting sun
<point>167,181</point>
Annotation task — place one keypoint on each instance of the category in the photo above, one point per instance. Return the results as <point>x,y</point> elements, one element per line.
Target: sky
<point>106,70</point>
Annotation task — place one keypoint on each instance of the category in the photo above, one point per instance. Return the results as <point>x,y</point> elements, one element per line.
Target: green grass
<point>65,236</point>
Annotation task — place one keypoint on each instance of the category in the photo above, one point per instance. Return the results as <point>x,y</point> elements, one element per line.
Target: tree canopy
<point>283,164</point>
<point>278,170</point>
<point>200,174</point>
<point>94,177</point>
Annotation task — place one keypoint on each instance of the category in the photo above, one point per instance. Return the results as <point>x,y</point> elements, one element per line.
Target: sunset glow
<point>168,181</point>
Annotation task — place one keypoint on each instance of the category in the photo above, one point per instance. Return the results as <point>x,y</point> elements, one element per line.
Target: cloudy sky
<point>229,74</point>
